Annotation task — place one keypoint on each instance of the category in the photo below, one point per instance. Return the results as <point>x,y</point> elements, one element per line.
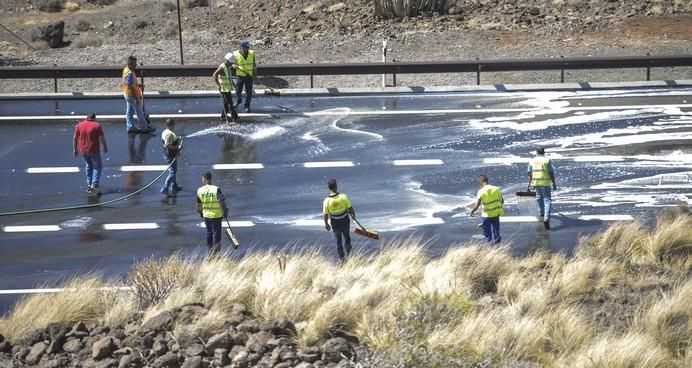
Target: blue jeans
<point>170,182</point>
<point>341,229</point>
<point>491,229</point>
<point>93,168</point>
<point>247,83</point>
<point>213,226</point>
<point>134,107</point>
<point>544,202</point>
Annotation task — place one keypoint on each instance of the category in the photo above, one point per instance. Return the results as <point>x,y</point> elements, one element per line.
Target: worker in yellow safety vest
<point>490,197</point>
<point>223,77</point>
<point>541,176</point>
<point>243,63</point>
<point>211,206</point>
<point>336,210</point>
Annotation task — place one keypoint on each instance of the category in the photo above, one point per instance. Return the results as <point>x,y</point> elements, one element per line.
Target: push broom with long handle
<point>361,230</point>
<point>231,237</point>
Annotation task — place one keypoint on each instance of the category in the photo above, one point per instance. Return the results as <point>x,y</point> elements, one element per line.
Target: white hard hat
<point>228,56</point>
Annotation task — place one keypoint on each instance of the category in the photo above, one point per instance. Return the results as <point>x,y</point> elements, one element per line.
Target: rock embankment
<point>172,339</point>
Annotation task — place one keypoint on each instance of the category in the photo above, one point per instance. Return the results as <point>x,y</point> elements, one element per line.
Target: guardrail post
<point>384,60</point>
<point>648,68</point>
<point>562,71</point>
<point>478,74</point>
<point>311,79</point>
<point>55,85</point>
<point>394,75</point>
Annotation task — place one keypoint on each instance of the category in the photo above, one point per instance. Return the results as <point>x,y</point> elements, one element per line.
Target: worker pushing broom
<point>336,210</point>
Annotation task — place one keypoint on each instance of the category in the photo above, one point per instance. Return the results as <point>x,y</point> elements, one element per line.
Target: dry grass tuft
<point>86,298</point>
<point>153,280</point>
<point>631,350</point>
<point>583,278</point>
<point>669,321</point>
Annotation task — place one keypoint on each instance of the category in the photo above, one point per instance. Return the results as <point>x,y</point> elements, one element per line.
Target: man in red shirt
<point>88,136</point>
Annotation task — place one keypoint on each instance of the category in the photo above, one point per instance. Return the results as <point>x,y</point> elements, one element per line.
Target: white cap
<point>228,56</point>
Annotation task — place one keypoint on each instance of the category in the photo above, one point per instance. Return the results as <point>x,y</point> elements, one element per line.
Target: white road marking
<point>417,221</point>
<point>361,113</point>
<point>519,219</point>
<point>237,166</point>
<point>143,168</point>
<point>57,290</point>
<point>308,223</point>
<point>607,217</point>
<point>233,224</point>
<point>131,226</point>
<point>417,162</point>
<point>30,228</point>
<point>52,170</point>
<point>321,164</point>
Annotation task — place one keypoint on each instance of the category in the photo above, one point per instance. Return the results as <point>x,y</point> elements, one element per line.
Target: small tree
<point>407,8</point>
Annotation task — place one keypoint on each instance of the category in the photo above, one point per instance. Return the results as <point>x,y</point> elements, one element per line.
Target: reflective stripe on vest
<point>175,137</point>
<point>337,206</point>
<point>246,67</point>
<point>135,90</point>
<point>491,198</point>
<point>225,80</point>
<point>208,195</point>
<point>540,177</point>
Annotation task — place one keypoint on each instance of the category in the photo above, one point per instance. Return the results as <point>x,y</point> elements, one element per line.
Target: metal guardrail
<point>430,67</point>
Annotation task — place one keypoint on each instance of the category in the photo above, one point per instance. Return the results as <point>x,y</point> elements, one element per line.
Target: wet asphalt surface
<point>616,153</point>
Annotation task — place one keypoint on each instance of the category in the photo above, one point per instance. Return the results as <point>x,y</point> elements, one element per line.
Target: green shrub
<point>407,8</point>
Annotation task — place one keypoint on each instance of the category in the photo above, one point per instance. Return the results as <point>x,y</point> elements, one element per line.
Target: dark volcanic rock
<point>52,33</point>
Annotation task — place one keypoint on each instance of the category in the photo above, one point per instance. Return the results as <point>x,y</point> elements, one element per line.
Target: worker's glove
<point>326,226</point>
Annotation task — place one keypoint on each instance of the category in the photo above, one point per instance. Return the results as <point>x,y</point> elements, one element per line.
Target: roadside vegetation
<point>624,299</point>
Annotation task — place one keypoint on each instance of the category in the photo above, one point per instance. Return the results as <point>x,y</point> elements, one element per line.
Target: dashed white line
<point>52,170</point>
<point>30,228</point>
<point>607,217</point>
<point>322,164</point>
<point>143,168</point>
<point>131,226</point>
<point>417,162</point>
<point>519,219</point>
<point>233,224</point>
<point>417,221</point>
<point>308,222</point>
<point>253,166</point>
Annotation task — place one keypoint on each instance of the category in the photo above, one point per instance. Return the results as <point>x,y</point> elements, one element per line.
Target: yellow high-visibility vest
<point>135,91</point>
<point>225,79</point>
<point>540,177</point>
<point>491,199</point>
<point>336,206</point>
<point>211,207</point>
<point>246,66</point>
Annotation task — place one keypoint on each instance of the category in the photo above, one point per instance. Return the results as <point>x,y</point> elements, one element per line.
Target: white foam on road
<point>31,228</point>
<point>131,226</point>
<point>506,160</point>
<point>606,217</point>
<point>323,164</point>
<point>52,170</point>
<point>57,290</point>
<point>417,162</point>
<point>138,168</point>
<point>250,166</point>
<point>598,158</point>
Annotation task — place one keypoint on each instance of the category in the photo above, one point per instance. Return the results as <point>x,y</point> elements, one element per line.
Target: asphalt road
<point>409,164</point>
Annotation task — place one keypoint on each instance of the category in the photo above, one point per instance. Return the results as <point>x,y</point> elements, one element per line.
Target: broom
<point>231,237</point>
<point>525,201</point>
<point>361,230</point>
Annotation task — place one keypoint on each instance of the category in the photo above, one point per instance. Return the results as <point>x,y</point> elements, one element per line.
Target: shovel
<point>231,237</point>
<point>361,230</point>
